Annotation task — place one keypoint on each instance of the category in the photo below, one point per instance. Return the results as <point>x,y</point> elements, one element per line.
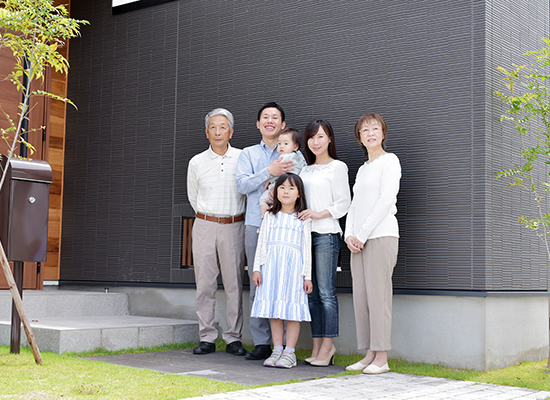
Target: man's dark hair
<point>272,104</point>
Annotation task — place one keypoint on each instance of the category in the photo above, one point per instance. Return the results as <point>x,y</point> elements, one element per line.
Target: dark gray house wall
<point>513,259</point>
<point>143,81</point>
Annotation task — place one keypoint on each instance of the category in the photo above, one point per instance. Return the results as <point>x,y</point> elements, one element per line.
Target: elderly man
<point>256,165</point>
<point>218,233</point>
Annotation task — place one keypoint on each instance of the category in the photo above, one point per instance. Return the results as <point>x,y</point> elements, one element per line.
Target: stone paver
<point>390,386</point>
<point>387,386</point>
<point>219,366</point>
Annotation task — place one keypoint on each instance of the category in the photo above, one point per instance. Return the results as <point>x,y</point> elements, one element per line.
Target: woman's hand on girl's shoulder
<point>303,215</point>
<point>308,286</point>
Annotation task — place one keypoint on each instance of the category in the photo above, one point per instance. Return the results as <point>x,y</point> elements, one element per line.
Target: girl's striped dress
<point>283,256</point>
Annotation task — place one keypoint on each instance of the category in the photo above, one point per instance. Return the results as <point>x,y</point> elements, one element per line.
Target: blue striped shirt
<point>251,176</point>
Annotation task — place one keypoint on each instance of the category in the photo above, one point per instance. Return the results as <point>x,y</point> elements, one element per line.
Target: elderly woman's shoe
<point>374,369</point>
<point>358,366</point>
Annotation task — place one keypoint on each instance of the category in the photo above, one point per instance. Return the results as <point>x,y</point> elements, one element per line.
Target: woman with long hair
<point>327,190</point>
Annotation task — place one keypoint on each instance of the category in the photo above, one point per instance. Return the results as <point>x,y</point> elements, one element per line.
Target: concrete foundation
<point>470,332</point>
<point>460,332</point>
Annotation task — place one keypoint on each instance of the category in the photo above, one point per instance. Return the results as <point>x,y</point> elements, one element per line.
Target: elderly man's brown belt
<point>221,220</point>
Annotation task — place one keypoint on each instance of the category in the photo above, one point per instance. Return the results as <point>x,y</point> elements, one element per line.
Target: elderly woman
<point>372,235</point>
<point>328,197</point>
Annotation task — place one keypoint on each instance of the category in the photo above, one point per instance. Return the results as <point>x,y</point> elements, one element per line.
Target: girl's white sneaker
<point>287,360</point>
<point>271,361</point>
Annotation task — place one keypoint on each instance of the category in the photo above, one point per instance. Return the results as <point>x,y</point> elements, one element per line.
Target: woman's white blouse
<point>373,209</point>
<point>327,188</point>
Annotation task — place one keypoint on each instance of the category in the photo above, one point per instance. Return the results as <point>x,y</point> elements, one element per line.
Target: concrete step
<point>70,320</point>
<point>64,334</point>
<point>66,303</point>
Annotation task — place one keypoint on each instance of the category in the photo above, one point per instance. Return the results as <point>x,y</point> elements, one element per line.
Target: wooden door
<point>9,102</point>
<point>49,113</point>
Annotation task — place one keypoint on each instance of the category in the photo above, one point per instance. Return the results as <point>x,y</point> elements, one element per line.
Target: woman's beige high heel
<point>309,360</point>
<point>328,361</point>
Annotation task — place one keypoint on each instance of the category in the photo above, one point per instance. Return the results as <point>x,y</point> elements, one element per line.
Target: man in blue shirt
<point>256,165</point>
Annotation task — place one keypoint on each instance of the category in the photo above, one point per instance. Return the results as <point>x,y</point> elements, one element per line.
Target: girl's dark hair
<point>311,130</point>
<point>296,137</point>
<point>301,203</point>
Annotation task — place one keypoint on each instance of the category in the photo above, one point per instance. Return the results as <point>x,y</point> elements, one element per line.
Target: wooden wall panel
<point>31,279</point>
<point>9,96</point>
<point>10,99</point>
<point>55,156</point>
<point>51,114</point>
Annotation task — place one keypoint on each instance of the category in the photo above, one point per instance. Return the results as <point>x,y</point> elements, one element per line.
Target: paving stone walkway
<point>385,386</point>
<point>316,386</point>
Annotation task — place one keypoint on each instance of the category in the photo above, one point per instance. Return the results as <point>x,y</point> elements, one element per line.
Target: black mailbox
<point>24,204</point>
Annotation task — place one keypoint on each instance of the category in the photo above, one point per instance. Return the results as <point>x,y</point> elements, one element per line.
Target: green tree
<point>528,101</point>
<point>33,30</point>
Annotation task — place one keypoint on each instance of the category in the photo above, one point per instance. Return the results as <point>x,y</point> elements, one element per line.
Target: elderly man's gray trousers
<point>213,242</point>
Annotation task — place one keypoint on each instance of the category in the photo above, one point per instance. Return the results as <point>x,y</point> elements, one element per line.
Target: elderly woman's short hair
<point>219,111</point>
<point>367,118</point>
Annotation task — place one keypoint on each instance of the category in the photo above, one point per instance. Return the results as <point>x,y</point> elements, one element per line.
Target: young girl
<point>282,269</point>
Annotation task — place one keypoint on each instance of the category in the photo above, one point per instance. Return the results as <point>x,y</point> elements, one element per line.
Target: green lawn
<point>69,376</point>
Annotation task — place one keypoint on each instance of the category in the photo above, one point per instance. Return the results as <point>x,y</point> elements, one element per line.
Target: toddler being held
<point>288,145</point>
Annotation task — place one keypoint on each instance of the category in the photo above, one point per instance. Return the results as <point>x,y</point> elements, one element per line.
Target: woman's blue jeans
<point>323,302</point>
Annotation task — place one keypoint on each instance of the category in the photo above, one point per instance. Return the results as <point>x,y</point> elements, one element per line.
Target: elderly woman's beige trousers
<point>371,271</point>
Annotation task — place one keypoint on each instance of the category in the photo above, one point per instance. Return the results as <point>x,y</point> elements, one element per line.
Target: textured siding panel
<point>515,257</point>
<point>145,79</point>
<point>119,214</point>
